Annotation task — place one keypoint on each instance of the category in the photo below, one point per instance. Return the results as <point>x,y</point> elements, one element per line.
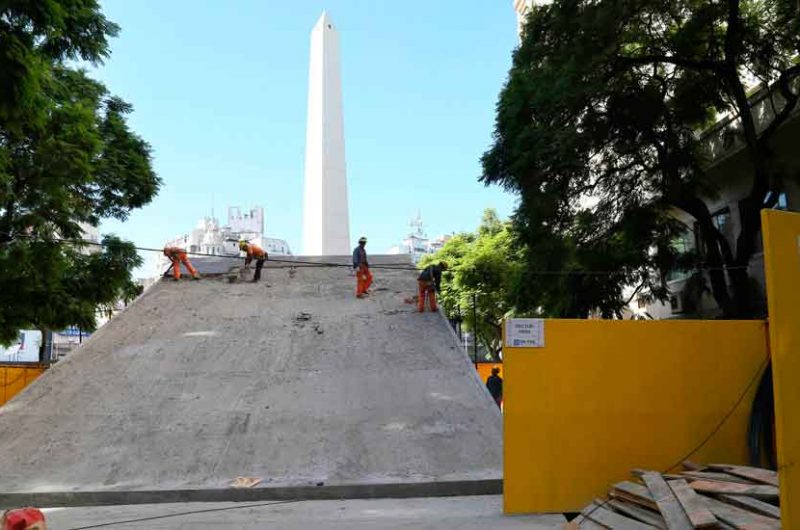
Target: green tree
<point>67,157</point>
<point>482,267</point>
<point>597,130</point>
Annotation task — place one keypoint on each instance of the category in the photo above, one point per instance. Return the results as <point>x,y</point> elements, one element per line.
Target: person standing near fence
<point>494,384</point>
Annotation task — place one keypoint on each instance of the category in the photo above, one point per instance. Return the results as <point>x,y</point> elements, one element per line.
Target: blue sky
<point>219,90</point>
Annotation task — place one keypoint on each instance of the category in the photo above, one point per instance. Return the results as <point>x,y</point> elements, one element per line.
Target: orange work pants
<point>426,289</point>
<point>363,280</point>
<point>177,259</point>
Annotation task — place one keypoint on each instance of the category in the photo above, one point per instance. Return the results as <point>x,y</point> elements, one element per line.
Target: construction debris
<point>713,496</point>
<point>245,482</point>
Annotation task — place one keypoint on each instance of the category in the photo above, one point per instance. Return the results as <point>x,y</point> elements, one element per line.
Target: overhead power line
<point>309,263</point>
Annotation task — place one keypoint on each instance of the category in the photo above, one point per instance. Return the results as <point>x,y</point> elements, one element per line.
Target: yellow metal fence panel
<point>15,377</point>
<point>782,267</point>
<point>603,397</point>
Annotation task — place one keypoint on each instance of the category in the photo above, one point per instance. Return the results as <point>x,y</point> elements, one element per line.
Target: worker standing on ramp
<point>361,266</point>
<point>253,252</point>
<point>429,282</point>
<point>178,256</point>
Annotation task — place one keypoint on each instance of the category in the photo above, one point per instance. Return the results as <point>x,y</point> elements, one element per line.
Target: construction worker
<point>361,267</point>
<point>178,256</point>
<point>429,281</point>
<point>253,252</point>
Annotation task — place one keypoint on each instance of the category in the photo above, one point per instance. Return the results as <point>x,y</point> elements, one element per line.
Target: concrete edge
<point>466,358</point>
<point>457,488</point>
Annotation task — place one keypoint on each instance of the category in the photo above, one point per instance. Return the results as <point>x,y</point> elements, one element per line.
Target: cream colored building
<point>523,7</point>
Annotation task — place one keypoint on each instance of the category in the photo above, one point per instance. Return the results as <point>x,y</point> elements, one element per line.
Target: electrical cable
<point>306,263</point>
<point>760,436</point>
<point>180,514</point>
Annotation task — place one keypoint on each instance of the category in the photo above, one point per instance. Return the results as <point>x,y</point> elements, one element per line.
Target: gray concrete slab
<point>198,383</point>
<point>463,513</point>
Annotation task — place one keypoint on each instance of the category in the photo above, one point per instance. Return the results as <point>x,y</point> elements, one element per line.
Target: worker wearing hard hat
<point>178,255</point>
<point>361,266</point>
<point>253,252</point>
<point>429,282</point>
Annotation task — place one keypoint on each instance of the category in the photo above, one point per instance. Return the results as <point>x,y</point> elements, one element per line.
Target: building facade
<point>211,238</point>
<point>730,173</point>
<point>417,243</point>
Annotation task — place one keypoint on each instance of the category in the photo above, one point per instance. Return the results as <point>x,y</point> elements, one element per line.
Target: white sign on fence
<point>525,332</point>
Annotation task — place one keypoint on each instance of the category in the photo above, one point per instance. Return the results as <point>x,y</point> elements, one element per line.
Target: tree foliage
<point>482,267</point>
<point>67,158</point>
<point>598,131</point>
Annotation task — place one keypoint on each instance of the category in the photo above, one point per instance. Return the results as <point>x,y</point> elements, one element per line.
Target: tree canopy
<point>599,130</point>
<point>482,268</point>
<point>67,159</point>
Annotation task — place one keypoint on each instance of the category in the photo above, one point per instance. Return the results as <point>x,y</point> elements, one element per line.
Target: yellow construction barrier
<point>782,265</point>
<point>601,397</point>
<point>15,377</point>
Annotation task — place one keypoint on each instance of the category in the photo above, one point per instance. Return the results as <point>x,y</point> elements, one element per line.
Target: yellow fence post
<point>782,266</point>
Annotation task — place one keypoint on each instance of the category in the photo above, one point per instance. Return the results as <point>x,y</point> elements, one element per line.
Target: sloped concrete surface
<point>198,383</point>
<point>462,513</point>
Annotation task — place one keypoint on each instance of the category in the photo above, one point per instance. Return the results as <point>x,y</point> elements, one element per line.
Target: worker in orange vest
<point>361,266</point>
<point>178,256</point>
<point>429,281</point>
<point>253,252</point>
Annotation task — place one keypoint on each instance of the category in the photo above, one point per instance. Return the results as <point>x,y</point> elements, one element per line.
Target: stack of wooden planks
<point>713,496</point>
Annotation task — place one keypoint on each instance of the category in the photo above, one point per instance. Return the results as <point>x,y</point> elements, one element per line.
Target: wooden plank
<point>699,515</point>
<point>637,512</point>
<point>635,492</point>
<point>688,465</point>
<point>637,472</point>
<point>738,518</point>
<point>732,488</point>
<point>668,505</point>
<point>713,475</point>
<point>753,505</point>
<point>588,524</point>
<point>600,515</point>
<point>756,474</point>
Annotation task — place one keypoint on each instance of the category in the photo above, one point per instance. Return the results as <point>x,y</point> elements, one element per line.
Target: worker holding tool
<point>178,256</point>
<point>430,281</point>
<point>361,266</point>
<point>253,252</point>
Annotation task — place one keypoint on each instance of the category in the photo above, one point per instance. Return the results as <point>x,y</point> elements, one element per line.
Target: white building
<point>326,218</point>
<point>417,243</point>
<point>209,237</point>
<point>522,8</point>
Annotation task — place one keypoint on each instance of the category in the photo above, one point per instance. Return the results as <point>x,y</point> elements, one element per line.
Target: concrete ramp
<point>292,380</point>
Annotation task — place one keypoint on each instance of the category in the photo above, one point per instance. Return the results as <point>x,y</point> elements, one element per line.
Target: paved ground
<point>462,513</point>
<point>198,383</point>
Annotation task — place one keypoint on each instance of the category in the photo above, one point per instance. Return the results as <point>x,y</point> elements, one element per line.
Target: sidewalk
<point>462,513</point>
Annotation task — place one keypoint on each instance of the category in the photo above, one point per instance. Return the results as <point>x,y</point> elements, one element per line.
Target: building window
<point>684,244</point>
<point>722,220</point>
<point>783,202</point>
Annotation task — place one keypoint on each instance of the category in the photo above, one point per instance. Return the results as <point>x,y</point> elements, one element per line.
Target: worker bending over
<point>178,256</point>
<point>361,266</point>
<point>253,252</point>
<point>430,281</point>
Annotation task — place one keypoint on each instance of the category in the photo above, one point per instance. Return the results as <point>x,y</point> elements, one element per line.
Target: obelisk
<point>326,218</point>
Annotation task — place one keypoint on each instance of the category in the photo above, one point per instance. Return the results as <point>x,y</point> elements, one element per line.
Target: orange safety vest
<point>254,251</point>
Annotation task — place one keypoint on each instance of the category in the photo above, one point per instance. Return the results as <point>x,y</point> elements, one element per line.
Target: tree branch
<point>643,60</point>
<point>790,104</point>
